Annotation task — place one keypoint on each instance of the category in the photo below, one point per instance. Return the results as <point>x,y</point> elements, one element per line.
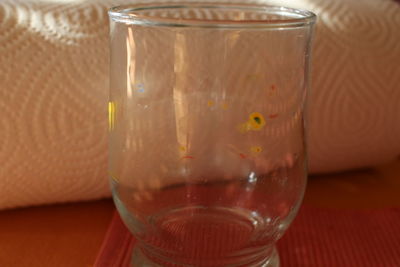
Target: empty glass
<point>206,120</point>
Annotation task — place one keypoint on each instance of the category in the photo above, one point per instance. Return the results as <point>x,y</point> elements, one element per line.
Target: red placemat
<point>318,237</point>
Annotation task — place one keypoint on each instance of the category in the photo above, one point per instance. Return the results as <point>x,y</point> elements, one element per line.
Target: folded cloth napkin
<point>54,87</point>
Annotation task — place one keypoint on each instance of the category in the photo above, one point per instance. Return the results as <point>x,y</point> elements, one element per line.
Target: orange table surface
<point>71,234</point>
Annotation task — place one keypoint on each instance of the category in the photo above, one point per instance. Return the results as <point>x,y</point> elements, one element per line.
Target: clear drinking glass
<point>207,134</point>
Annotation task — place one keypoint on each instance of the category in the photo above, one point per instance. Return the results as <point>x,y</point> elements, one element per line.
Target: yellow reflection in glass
<point>111,115</point>
<point>255,122</point>
<point>256,149</point>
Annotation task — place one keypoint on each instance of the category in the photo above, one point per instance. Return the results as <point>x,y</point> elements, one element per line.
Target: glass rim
<point>130,14</point>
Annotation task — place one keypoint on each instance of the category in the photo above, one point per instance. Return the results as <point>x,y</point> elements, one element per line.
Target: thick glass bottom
<point>207,237</point>
<point>140,260</point>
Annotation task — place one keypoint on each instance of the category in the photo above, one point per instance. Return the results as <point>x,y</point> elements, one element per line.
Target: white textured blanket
<point>54,87</point>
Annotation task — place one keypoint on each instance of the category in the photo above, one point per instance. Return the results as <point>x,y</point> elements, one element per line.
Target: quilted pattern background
<point>54,88</point>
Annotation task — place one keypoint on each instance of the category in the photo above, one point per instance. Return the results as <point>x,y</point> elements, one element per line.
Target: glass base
<point>140,260</point>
